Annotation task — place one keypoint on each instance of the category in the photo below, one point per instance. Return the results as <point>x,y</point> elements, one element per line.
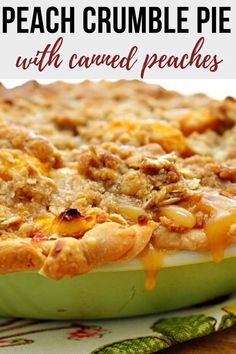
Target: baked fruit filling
<point>105,172</point>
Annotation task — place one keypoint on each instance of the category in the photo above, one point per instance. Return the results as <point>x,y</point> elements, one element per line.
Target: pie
<point>102,172</point>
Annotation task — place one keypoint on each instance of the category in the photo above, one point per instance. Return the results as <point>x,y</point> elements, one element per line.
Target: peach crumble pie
<point>96,173</point>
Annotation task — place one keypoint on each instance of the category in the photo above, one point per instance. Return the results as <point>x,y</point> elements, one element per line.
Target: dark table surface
<point>219,343</point>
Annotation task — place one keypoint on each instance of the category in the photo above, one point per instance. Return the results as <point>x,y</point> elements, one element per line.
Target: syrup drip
<point>152,261</point>
<point>216,229</point>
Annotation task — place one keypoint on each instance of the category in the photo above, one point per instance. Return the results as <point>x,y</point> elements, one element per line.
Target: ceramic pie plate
<point>116,291</point>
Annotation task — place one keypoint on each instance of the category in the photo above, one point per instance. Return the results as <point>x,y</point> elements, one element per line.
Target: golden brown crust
<point>105,243</point>
<point>19,255</point>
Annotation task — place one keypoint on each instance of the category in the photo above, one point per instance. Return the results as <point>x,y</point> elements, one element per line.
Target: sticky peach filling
<point>179,215</point>
<point>220,214</point>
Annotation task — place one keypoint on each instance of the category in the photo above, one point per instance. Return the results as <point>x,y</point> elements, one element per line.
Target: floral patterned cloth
<point>142,335</point>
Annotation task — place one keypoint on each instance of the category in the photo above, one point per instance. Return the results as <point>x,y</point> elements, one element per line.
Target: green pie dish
<point>113,291</point>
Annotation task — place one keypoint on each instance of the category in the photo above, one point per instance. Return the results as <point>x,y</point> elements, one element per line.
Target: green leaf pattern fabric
<point>181,329</point>
<point>135,346</point>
